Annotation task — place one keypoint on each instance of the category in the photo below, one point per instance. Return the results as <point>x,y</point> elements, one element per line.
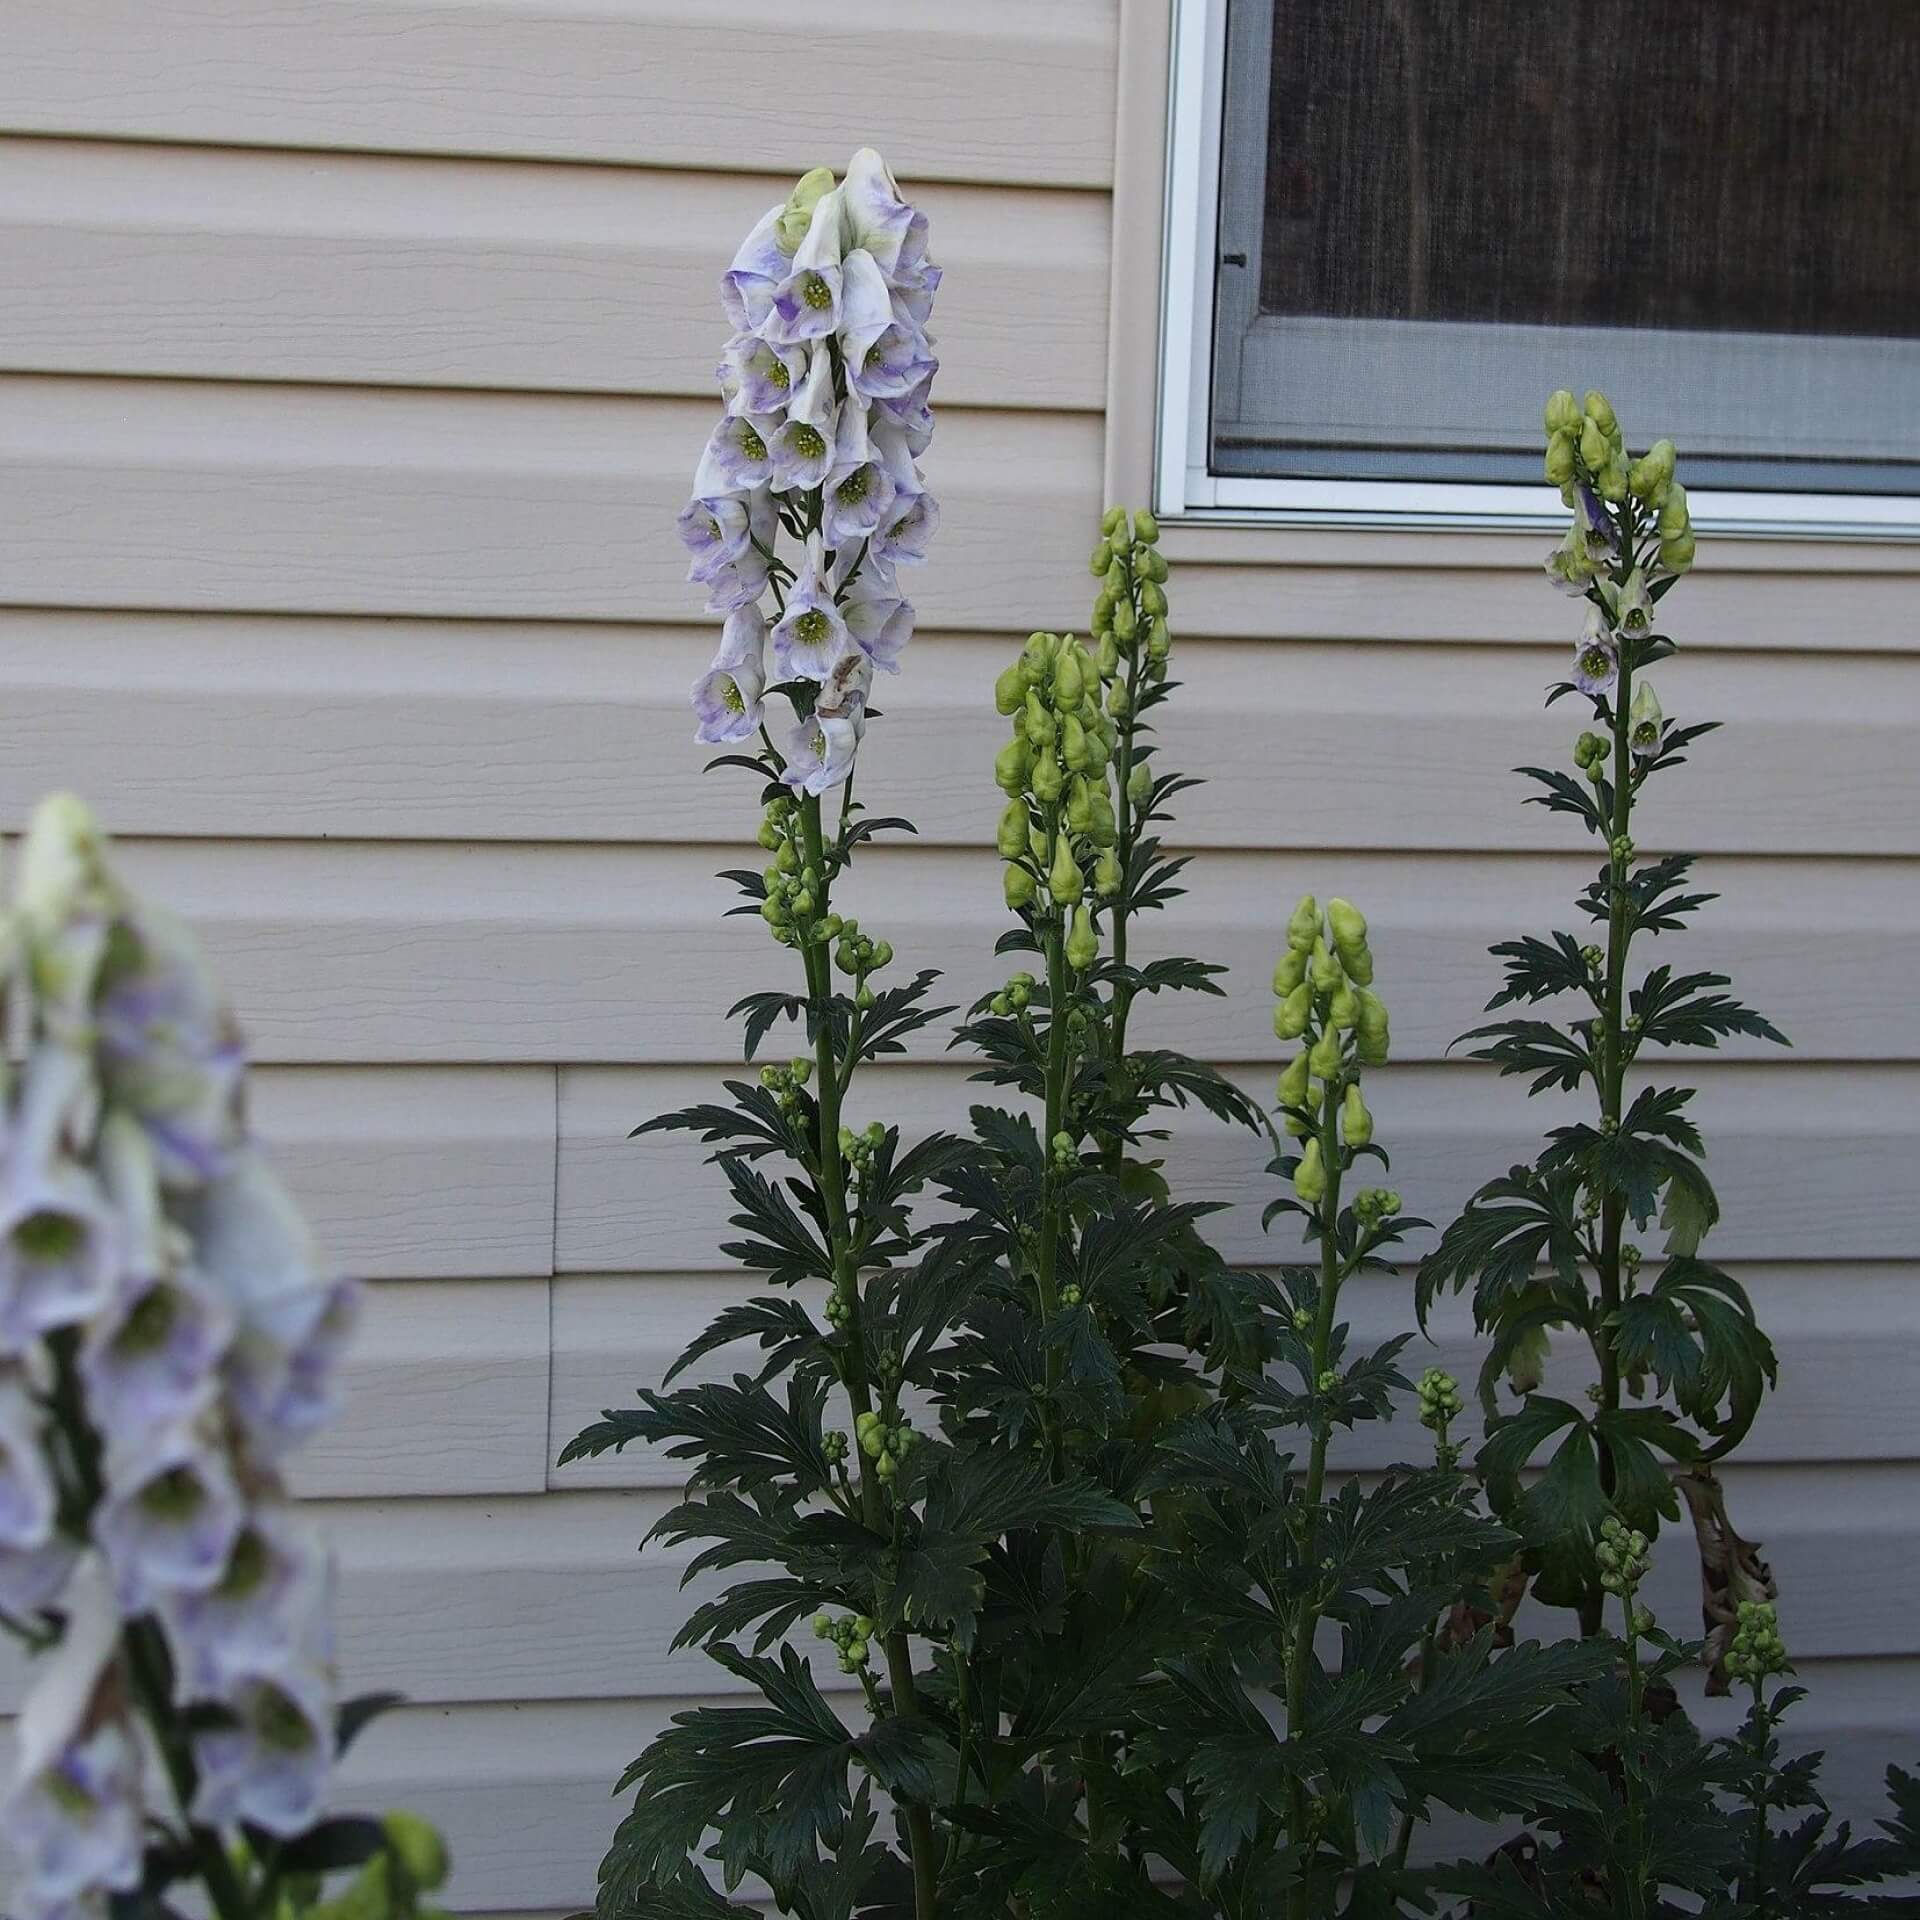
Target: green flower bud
<point>1674,516</point>
<point>1563,412</point>
<point>1010,689</point>
<point>822,1625</point>
<point>1153,599</point>
<point>1153,563</point>
<point>1310,1177</point>
<point>1601,413</point>
<point>1011,839</point>
<point>797,215</point>
<point>1289,970</point>
<point>1323,970</point>
<point>1559,463</point>
<point>1325,1059</point>
<point>1303,924</point>
<point>1594,451</point>
<point>1294,1085</point>
<point>1075,747</point>
<point>1676,555</point>
<point>1652,471</point>
<point>1612,480</point>
<point>1139,784</point>
<point>1036,722</point>
<point>1020,887</point>
<point>1290,1017</point>
<point>1119,700</point>
<point>1146,529</point>
<point>1125,626</point>
<point>1083,947</point>
<point>1104,831</point>
<point>1356,1123</point>
<point>1079,805</point>
<point>1527,1360</point>
<point>1107,876</point>
<point>1048,779</point>
<point>1348,925</point>
<point>1101,561</point>
<point>1065,883</point>
<point>1589,748</point>
<point>1117,586</point>
<point>1069,678</point>
<point>1122,535</point>
<point>1011,765</point>
<point>1113,520</point>
<point>1159,641</point>
<point>879,955</point>
<point>1370,1028</point>
<point>1108,657</point>
<point>885,1468</point>
<point>421,1852</point>
<point>1343,1010</point>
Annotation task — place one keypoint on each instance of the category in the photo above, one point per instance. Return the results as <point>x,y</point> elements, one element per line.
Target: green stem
<point>1123,847</point>
<point>855,1372</point>
<point>1307,1622</point>
<point>1756,1893</point>
<point>1630,1771</point>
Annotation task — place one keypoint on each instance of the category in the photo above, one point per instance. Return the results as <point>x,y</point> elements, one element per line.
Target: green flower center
<point>807,442</point>
<point>751,444</point>
<point>279,1723</point>
<point>730,695</point>
<point>48,1236</point>
<point>248,1567</point>
<point>149,1324</point>
<point>176,1495</point>
<point>1646,734</point>
<point>816,293</point>
<point>873,355</point>
<point>813,626</point>
<point>853,489</point>
<point>69,1795</point>
<point>777,375</point>
<point>1596,662</point>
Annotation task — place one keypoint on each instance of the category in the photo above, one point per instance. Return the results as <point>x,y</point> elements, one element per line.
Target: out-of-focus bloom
<point>727,698</point>
<point>811,634</point>
<point>1597,657</point>
<point>170,1516</point>
<point>29,1501</point>
<point>269,1767</point>
<point>267,1613</point>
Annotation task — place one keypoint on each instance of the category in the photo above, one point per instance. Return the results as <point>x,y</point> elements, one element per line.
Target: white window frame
<point>1184,488</point>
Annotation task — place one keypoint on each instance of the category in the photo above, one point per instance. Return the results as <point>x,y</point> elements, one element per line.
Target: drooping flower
<point>1597,657</point>
<point>911,412</point>
<point>879,622</point>
<point>739,455</point>
<point>268,1612</point>
<point>170,1516</point>
<point>269,1766</point>
<point>763,377</point>
<point>746,288</point>
<point>1594,524</point>
<point>1646,724</point>
<point>716,530</point>
<point>877,221</point>
<point>858,489</point>
<point>905,531</point>
<point>1630,605</point>
<point>806,303</point>
<point>1569,567</point>
<point>727,698</point>
<point>811,634</point>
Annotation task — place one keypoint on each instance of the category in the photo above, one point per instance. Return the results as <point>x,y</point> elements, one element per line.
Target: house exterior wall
<point>356,353</point>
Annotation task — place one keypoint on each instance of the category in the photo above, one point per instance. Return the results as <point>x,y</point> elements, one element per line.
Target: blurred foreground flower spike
<point>168,1334</point>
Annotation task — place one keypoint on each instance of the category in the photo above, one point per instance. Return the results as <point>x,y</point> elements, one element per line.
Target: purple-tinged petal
<point>737,457</point>
<point>746,288</point>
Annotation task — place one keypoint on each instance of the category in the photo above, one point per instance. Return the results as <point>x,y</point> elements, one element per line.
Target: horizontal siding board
<point>1810,1162</point>
<point>298,728</point>
<point>1847,1337</point>
<point>201,496</point>
<point>375,952</point>
<point>200,263</point>
<point>418,1172</point>
<point>997,90</point>
<point>446,1393</point>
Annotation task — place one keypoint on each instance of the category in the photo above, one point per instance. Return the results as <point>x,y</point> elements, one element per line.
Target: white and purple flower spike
<point>170,1517</point>
<point>270,1766</point>
<point>727,698</point>
<point>806,304</point>
<point>74,1818</point>
<point>1596,659</point>
<point>811,635</point>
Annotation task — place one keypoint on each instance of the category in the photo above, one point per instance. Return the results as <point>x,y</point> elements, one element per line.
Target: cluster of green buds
<point>834,1446</point>
<point>1376,1203</point>
<point>1590,755</point>
<point>1323,989</point>
<point>858,1149</point>
<point>1130,614</point>
<point>885,1446</point>
<point>1057,833</point>
<point>1757,1652</point>
<point>792,883</point>
<point>850,1633</point>
<point>1586,459</point>
<point>1621,1552</point>
<point>1440,1401</point>
<point>1015,997</point>
<point>784,1083</point>
<point>856,954</point>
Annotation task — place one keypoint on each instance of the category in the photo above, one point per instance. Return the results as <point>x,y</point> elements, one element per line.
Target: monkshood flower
<point>171,1515</point>
<point>29,1499</point>
<point>1596,659</point>
<point>827,380</point>
<point>1645,721</point>
<point>269,1766</point>
<point>1630,605</point>
<point>728,696</point>
<point>268,1612</point>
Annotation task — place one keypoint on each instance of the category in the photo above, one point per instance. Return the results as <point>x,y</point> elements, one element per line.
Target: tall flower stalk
<point>1560,1244</point>
<point>169,1336</point>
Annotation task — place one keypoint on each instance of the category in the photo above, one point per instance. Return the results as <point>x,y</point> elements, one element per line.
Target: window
<point>1394,225</point>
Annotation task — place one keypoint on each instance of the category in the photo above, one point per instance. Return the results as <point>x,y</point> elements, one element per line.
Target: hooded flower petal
<point>716,530</point>
<point>727,698</point>
<point>270,1767</point>
<point>154,1358</point>
<point>1597,658</point>
<point>880,622</point>
<point>268,1613</point>
<point>738,456</point>
<point>876,220</point>
<point>820,750</point>
<point>858,489</point>
<point>170,1516</point>
<point>1646,724</point>
<point>905,531</point>
<point>1631,605</point>
<point>1594,525</point>
<point>762,377</point>
<point>911,412</point>
<point>811,635</point>
<point>746,288</point>
<point>29,1500</point>
<point>1568,566</point>
<point>806,303</point>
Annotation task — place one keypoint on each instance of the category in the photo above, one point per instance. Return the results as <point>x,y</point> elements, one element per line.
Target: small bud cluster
<point>1057,833</point>
<point>784,1083</point>
<point>850,1633</point>
<point>1621,1552</point>
<point>1440,1401</point>
<point>885,1446</point>
<point>1130,613</point>
<point>834,1447</point>
<point>1015,997</point>
<point>1757,1652</point>
<point>1324,995</point>
<point>858,1149</point>
<point>1376,1203</point>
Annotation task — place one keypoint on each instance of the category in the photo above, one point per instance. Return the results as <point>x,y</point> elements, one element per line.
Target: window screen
<point>1434,211</point>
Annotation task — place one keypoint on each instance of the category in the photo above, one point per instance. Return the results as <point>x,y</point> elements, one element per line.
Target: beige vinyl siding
<point>357,353</point>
